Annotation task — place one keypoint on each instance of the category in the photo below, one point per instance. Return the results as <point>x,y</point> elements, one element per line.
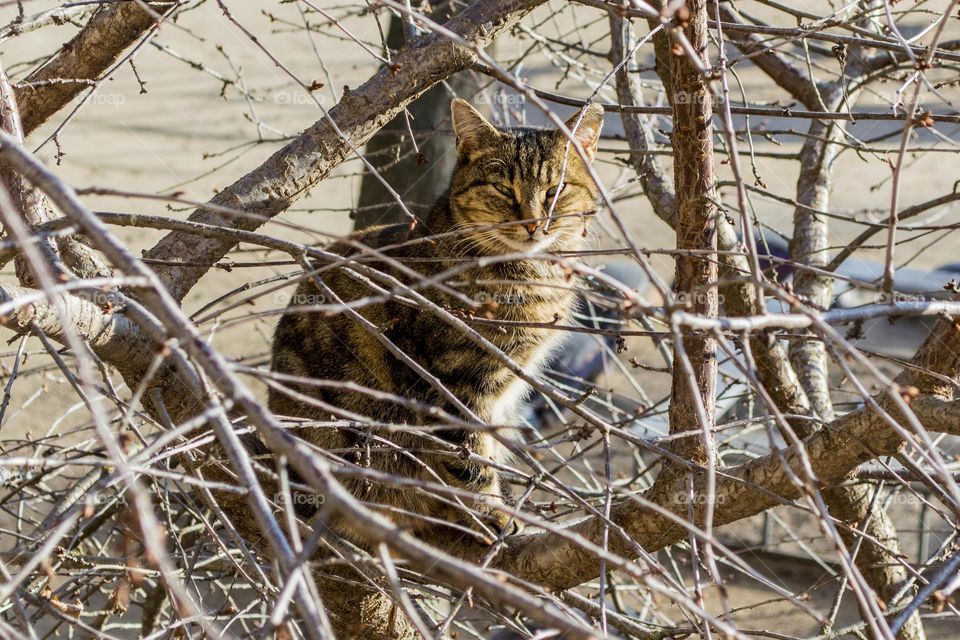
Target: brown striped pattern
<point>498,203</point>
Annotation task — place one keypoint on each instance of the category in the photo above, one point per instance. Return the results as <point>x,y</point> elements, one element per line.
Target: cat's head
<point>520,190</point>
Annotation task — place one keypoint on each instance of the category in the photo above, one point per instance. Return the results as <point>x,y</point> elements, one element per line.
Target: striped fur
<point>497,205</point>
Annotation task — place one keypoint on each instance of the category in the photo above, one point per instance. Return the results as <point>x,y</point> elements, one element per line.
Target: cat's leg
<point>472,472</point>
<point>479,381</point>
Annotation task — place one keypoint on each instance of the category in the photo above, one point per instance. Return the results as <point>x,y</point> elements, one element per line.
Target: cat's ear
<point>472,129</point>
<point>588,130</point>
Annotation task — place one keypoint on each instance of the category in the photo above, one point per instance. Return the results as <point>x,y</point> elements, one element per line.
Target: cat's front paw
<point>496,520</point>
<point>505,524</point>
<point>489,513</point>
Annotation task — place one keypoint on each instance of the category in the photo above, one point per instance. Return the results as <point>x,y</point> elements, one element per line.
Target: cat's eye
<point>554,190</point>
<point>502,188</point>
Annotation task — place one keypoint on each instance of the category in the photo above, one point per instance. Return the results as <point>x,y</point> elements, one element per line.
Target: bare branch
<point>655,519</point>
<point>66,254</point>
<point>775,65</point>
<point>108,33</point>
<point>290,172</point>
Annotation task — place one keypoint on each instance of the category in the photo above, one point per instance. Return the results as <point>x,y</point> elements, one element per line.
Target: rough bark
<point>112,336</point>
<point>359,613</point>
<point>84,58</point>
<point>774,370</point>
<point>694,406</point>
<point>938,414</point>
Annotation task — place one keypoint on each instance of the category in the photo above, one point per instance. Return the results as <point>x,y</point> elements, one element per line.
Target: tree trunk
<point>693,403</point>
<point>418,173</point>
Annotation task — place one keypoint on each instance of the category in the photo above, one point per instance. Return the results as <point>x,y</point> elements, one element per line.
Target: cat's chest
<point>524,305</point>
<point>527,329</point>
<point>505,406</point>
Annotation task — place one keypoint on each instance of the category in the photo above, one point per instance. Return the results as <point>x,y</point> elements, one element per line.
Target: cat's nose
<point>532,227</point>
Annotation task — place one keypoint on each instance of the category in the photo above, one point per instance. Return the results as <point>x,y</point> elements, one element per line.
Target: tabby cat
<point>518,193</point>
